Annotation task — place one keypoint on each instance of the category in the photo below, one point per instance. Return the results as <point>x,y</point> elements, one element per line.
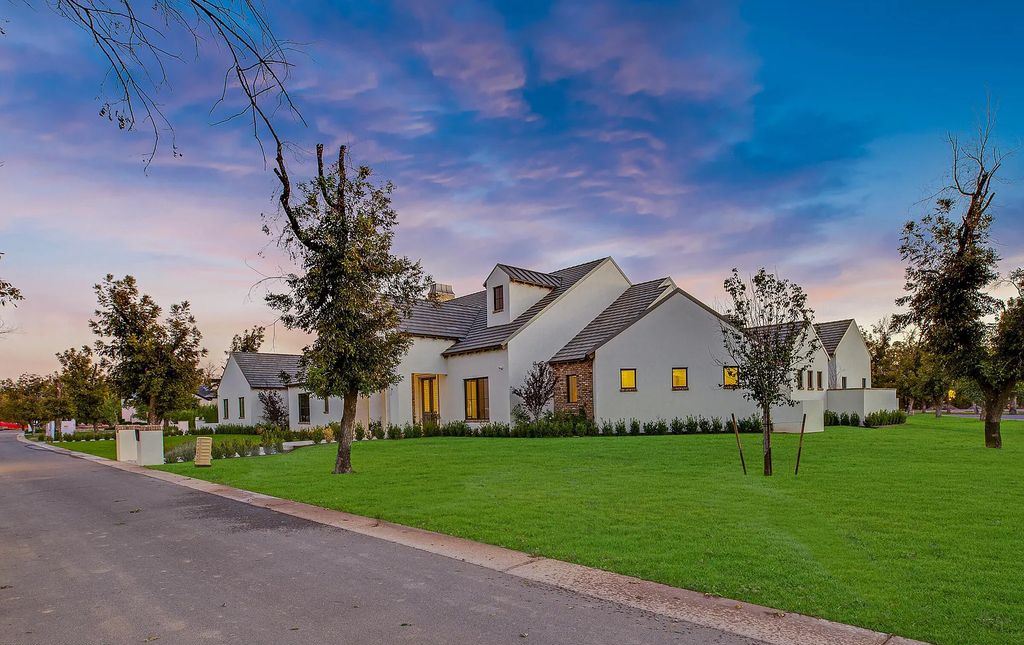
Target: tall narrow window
<point>800,379</point>
<point>226,407</point>
<point>864,383</point>
<point>810,380</point>
<point>844,382</point>
<point>627,379</point>
<point>572,389</point>
<point>241,407</point>
<point>499,298</point>
<point>680,379</point>
<point>731,377</point>
<point>303,407</point>
<point>327,405</point>
<point>819,381</point>
<point>477,405</point>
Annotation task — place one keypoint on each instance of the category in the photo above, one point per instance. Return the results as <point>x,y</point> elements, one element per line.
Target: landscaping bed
<point>912,529</point>
<point>108,448</point>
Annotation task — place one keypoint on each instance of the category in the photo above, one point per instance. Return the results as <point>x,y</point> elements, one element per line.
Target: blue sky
<point>681,138</point>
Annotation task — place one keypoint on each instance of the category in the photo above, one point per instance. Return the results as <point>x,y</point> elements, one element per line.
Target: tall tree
<point>150,361</point>
<point>84,383</point>
<point>537,389</point>
<point>951,270</point>
<point>249,340</point>
<point>137,39</point>
<point>352,292</point>
<point>768,340</point>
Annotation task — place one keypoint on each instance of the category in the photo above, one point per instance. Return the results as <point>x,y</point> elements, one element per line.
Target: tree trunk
<point>993,416</point>
<point>767,442</point>
<point>343,464</point>
<point>151,411</point>
<point>938,409</point>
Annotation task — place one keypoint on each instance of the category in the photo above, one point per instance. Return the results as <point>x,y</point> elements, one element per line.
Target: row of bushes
<point>844,419</point>
<point>243,447</point>
<point>557,426</point>
<point>885,418</point>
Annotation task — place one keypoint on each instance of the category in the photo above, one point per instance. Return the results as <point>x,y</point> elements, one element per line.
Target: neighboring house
<point>246,374</point>
<point>619,350</point>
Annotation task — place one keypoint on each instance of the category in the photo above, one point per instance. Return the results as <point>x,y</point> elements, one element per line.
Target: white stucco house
<point>619,350</point>
<point>246,374</point>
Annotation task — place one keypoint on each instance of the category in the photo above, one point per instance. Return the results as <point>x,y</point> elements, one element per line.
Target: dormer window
<point>499,298</point>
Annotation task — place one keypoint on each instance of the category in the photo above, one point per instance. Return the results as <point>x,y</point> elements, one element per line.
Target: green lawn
<point>915,529</point>
<point>108,449</point>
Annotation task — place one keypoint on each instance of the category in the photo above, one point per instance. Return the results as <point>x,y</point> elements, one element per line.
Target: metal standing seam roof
<point>832,332</point>
<point>264,370</point>
<point>481,337</point>
<point>623,312</point>
<point>526,276</point>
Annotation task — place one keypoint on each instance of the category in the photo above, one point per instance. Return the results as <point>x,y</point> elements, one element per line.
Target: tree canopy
<point>250,340</point>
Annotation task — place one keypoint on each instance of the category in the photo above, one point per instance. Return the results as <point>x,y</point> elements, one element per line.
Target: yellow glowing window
<point>679,378</point>
<point>731,377</point>
<point>477,407</point>
<point>627,380</point>
<point>572,388</point>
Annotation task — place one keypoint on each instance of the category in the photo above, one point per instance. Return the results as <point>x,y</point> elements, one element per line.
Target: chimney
<point>441,292</point>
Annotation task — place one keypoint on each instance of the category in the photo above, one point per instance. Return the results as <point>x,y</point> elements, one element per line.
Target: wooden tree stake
<point>739,446</point>
<point>800,446</point>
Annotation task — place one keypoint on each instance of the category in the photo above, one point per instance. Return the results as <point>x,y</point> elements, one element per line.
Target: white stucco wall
<point>232,386</point>
<point>677,333</point>
<point>562,320</point>
<point>494,366</point>
<point>861,401</point>
<point>852,359</point>
<point>424,357</point>
<point>316,409</point>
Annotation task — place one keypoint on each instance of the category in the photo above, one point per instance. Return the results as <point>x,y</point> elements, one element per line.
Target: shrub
<point>359,431</point>
<point>854,419</point>
<point>634,426</point>
<point>317,435</point>
<point>885,418</point>
<point>844,419</point>
<point>831,418</point>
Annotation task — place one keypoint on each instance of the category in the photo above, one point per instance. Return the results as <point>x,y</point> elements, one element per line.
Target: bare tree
<point>767,339</point>
<point>134,37</point>
<point>537,389</point>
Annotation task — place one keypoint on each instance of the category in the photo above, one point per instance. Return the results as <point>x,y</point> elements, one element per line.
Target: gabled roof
<point>264,370</point>
<point>526,276</point>
<point>206,393</point>
<point>623,312</point>
<point>481,337</point>
<point>450,319</point>
<point>832,332</point>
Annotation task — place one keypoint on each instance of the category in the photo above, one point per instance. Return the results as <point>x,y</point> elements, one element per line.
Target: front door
<point>428,399</point>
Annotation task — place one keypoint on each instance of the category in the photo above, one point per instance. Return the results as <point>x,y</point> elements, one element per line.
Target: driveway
<point>90,554</point>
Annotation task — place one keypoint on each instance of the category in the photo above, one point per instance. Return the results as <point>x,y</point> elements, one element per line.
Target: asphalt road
<point>90,554</point>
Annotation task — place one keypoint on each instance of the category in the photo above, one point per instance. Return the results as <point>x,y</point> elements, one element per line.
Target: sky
<point>681,138</point>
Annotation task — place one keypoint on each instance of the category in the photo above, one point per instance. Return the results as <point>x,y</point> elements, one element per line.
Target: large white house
<point>619,350</point>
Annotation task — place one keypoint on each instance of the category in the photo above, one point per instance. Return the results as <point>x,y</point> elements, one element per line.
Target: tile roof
<point>832,332</point>
<point>450,319</point>
<point>480,337</point>
<point>623,312</point>
<point>526,276</point>
<point>264,370</point>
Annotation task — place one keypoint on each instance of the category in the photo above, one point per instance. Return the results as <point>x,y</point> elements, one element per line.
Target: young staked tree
<point>352,292</point>
<point>951,272</point>
<point>768,340</point>
<point>537,389</point>
<point>249,340</point>
<point>150,361</point>
<point>83,382</point>
<point>275,412</point>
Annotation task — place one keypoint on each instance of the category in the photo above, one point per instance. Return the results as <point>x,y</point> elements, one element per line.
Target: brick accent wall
<point>584,371</point>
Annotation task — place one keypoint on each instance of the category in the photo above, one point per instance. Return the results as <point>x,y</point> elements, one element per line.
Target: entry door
<point>428,399</point>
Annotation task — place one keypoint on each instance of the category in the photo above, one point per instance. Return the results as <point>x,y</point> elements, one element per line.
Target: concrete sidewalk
<point>722,615</point>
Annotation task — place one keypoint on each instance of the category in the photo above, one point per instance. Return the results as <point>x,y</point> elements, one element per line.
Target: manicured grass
<point>913,529</point>
<point>108,449</point>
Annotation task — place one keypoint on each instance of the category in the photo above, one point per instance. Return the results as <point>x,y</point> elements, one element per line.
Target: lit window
<point>679,378</point>
<point>499,298</point>
<point>241,407</point>
<point>627,380</point>
<point>477,406</point>
<point>304,407</point>
<point>731,377</point>
<point>226,406</point>
<point>572,388</point>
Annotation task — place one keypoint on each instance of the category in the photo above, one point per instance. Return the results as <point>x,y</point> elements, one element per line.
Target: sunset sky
<point>680,138</point>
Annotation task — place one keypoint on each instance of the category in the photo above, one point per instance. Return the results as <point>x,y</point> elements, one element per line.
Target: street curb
<point>733,616</point>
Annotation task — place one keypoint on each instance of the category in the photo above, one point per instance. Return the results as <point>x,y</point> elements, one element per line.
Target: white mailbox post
<point>127,445</point>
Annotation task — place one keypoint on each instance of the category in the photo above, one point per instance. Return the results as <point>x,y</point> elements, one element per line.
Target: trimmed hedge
<point>885,418</point>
